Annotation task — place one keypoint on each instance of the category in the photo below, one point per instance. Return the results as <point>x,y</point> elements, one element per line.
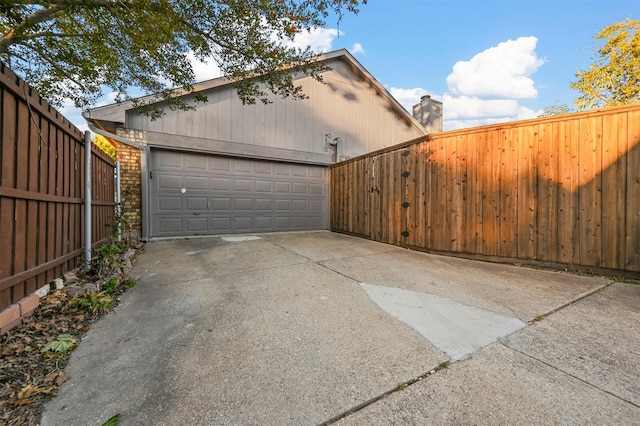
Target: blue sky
<point>488,61</point>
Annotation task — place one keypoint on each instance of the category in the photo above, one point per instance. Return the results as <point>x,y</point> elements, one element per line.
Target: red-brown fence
<point>558,191</point>
<point>42,191</point>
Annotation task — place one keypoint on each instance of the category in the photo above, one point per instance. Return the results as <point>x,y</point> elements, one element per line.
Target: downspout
<point>118,202</point>
<point>87,199</point>
<point>143,170</point>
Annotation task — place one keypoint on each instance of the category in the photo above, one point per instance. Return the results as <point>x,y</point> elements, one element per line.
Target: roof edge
<point>116,112</point>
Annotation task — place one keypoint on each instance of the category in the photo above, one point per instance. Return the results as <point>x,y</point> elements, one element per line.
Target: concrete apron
<point>308,328</point>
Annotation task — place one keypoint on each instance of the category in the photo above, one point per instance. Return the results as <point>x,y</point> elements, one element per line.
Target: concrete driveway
<point>319,328</point>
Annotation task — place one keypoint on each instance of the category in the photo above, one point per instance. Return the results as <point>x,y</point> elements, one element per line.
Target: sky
<point>487,61</point>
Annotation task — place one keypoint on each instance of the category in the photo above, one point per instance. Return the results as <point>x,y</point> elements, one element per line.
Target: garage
<point>201,194</point>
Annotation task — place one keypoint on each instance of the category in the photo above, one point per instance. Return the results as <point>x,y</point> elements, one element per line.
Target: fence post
<point>87,199</point>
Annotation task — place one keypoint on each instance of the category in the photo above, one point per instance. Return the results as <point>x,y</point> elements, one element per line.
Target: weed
<point>60,344</point>
<point>113,421</point>
<point>443,365</point>
<point>96,302</point>
<point>107,258</point>
<point>538,318</point>
<point>130,282</point>
<point>111,285</point>
<point>625,280</point>
<point>401,386</point>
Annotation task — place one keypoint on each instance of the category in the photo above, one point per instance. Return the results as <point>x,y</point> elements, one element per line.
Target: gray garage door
<point>196,194</point>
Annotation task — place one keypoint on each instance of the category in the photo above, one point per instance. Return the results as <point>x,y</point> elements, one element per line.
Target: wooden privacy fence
<point>42,191</point>
<point>561,190</point>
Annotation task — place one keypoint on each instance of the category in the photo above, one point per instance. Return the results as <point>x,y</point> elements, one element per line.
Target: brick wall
<point>130,180</point>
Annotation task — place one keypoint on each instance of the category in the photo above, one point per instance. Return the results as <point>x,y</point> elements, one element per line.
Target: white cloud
<point>204,70</point>
<point>487,88</point>
<point>502,71</point>
<point>357,48</point>
<point>73,114</point>
<point>467,107</point>
<point>320,39</point>
<point>409,97</point>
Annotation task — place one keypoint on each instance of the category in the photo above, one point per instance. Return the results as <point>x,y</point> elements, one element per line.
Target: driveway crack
<point>568,374</point>
<point>400,387</point>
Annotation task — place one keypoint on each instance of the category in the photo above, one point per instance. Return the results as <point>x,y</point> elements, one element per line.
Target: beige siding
<point>346,106</point>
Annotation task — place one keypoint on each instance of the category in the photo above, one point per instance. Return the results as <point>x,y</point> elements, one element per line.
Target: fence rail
<point>560,191</point>
<point>42,191</point>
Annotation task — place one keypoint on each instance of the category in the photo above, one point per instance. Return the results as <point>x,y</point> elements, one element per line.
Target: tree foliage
<point>614,77</point>
<point>106,146</point>
<point>556,109</point>
<point>74,49</point>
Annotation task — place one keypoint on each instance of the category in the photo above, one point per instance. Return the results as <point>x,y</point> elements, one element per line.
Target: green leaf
<point>112,421</point>
<point>61,344</point>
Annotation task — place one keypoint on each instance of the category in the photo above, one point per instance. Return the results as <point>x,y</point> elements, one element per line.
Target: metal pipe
<point>118,205</point>
<point>87,199</point>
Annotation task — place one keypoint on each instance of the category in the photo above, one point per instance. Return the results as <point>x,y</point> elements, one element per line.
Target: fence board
<point>468,210</point>
<point>613,249</point>
<point>508,194</point>
<point>632,214</point>
<point>558,191</point>
<point>526,191</point>
<point>455,199</point>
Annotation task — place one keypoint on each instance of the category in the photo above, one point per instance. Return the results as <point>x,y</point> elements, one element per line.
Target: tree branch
<point>38,17</point>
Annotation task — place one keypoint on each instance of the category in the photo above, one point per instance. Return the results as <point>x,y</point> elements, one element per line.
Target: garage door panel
<point>282,188</point>
<point>282,169</point>
<point>196,162</point>
<point>242,185</point>
<point>240,204</point>
<point>263,168</point>
<point>194,203</point>
<point>242,166</point>
<point>197,183</point>
<point>298,170</point>
<point>242,224</point>
<point>300,188</point>
<point>282,205</point>
<point>315,189</point>
<point>317,173</point>
<point>196,225</point>
<point>264,186</point>
<point>170,224</point>
<point>169,182</point>
<point>300,222</point>
<point>166,160</point>
<point>263,223</point>
<point>222,205</point>
<point>169,204</point>
<point>264,204</point>
<point>220,225</point>
<point>195,194</point>
<point>299,205</point>
<point>316,205</point>
<point>282,222</point>
<point>316,222</point>
<point>221,184</point>
<point>219,164</point>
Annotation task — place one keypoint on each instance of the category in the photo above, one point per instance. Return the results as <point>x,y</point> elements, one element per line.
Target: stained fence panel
<point>558,191</point>
<point>42,192</point>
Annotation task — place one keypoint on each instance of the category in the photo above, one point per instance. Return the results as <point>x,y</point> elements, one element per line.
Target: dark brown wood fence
<point>42,191</point>
<point>557,191</point>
